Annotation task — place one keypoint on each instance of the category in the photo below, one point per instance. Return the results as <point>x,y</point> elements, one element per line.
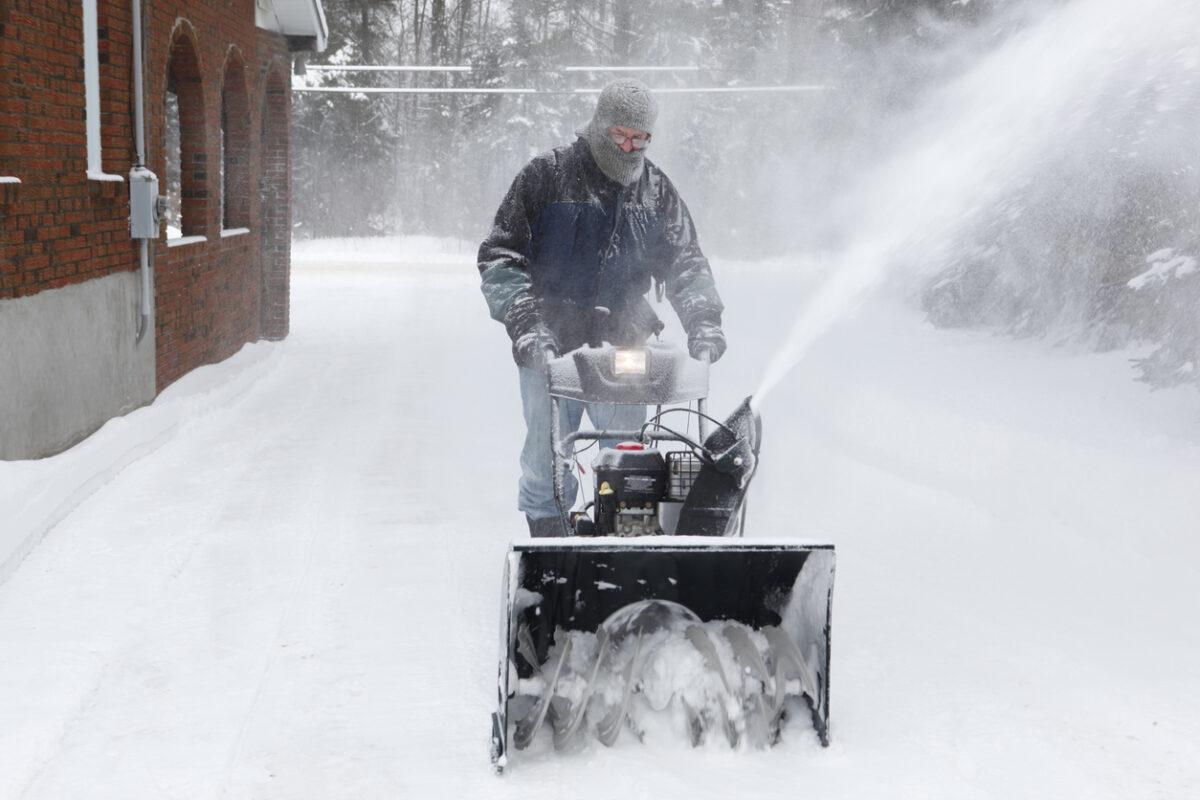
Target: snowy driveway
<point>294,593</point>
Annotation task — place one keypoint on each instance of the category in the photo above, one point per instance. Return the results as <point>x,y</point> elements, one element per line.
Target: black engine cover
<point>627,481</point>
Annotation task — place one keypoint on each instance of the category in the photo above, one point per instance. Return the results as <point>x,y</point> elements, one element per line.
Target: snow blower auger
<point>652,616</point>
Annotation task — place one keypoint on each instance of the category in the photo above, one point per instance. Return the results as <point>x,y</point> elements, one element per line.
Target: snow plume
<point>966,145</point>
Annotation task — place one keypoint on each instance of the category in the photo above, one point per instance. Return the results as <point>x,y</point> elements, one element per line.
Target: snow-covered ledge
<point>104,177</point>
<point>227,232</point>
<point>179,241</point>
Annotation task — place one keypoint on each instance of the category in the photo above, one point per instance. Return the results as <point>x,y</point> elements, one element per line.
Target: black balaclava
<point>626,102</point>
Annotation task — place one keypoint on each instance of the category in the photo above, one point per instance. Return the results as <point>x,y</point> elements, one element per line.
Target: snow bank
<point>37,495</point>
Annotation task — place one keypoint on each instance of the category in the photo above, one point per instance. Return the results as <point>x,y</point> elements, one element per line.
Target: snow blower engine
<point>639,490</point>
<point>651,612</point>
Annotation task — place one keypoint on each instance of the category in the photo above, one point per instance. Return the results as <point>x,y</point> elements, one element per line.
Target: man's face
<point>628,138</point>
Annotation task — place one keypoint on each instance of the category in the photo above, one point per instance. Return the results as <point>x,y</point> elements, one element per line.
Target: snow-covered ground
<point>282,579</point>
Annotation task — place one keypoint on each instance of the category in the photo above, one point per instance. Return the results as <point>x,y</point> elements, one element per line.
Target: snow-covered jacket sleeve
<point>503,258</point>
<point>686,273</point>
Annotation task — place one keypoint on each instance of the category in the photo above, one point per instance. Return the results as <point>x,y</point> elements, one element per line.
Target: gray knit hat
<point>628,103</point>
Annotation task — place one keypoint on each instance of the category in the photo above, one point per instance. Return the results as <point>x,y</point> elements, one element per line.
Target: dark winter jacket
<point>573,239</point>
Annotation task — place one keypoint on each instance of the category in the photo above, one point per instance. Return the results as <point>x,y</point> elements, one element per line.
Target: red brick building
<point>93,321</point>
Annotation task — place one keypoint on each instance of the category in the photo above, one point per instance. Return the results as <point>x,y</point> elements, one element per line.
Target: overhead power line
<point>583,68</point>
<point>469,68</point>
<point>409,90</point>
<point>732,89</point>
<point>692,68</point>
<point>506,90</point>
<point>384,68</point>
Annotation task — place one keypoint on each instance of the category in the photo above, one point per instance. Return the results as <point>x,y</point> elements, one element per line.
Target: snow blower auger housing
<point>651,615</point>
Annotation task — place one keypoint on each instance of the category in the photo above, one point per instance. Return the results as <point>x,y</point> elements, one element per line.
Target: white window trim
<point>227,232</point>
<point>91,85</point>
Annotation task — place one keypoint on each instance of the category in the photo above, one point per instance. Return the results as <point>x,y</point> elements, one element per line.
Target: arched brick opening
<point>187,157</point>
<point>235,145</point>
<point>276,207</point>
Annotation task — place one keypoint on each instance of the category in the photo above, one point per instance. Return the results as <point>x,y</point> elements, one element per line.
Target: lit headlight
<point>629,362</point>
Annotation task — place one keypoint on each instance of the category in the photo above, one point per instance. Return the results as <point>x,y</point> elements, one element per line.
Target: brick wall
<point>211,296</point>
<point>59,227</point>
<point>276,207</point>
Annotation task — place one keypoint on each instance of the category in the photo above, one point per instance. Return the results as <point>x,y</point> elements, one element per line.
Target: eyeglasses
<point>636,142</point>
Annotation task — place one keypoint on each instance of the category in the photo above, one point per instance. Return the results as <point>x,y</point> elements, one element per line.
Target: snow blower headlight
<point>629,361</point>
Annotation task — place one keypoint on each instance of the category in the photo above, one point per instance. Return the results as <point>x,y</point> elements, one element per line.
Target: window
<point>174,189</point>
<point>184,142</point>
<point>235,148</point>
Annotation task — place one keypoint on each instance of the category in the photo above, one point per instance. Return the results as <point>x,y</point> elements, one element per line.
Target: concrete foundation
<point>69,363</point>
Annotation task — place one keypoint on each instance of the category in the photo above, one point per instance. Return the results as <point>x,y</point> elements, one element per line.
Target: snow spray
<point>982,134</point>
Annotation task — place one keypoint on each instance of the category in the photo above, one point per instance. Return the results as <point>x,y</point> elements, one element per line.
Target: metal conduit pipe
<point>139,128</point>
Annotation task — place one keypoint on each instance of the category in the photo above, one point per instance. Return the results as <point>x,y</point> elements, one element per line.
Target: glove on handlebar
<point>535,347</point>
<point>706,341</point>
<point>532,341</point>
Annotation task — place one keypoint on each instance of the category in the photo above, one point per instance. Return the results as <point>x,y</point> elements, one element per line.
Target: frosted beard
<point>624,168</point>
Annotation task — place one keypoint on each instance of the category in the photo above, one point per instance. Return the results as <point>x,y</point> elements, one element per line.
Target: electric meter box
<point>143,203</point>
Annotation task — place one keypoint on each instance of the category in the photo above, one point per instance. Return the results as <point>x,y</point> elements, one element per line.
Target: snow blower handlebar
<point>654,374</point>
<point>657,374</point>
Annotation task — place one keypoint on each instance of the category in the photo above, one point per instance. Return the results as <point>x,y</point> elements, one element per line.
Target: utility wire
<point>483,90</point>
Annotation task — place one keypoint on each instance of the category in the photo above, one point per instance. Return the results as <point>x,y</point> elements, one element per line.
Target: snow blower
<point>652,615</point>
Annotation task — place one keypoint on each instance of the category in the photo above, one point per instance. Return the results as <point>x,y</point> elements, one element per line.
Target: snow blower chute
<point>652,614</point>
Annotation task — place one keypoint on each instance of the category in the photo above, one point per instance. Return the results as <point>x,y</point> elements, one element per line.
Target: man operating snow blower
<point>650,613</point>
<point>577,242</point>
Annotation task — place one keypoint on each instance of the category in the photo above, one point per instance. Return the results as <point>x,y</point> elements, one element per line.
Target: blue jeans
<point>535,494</point>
